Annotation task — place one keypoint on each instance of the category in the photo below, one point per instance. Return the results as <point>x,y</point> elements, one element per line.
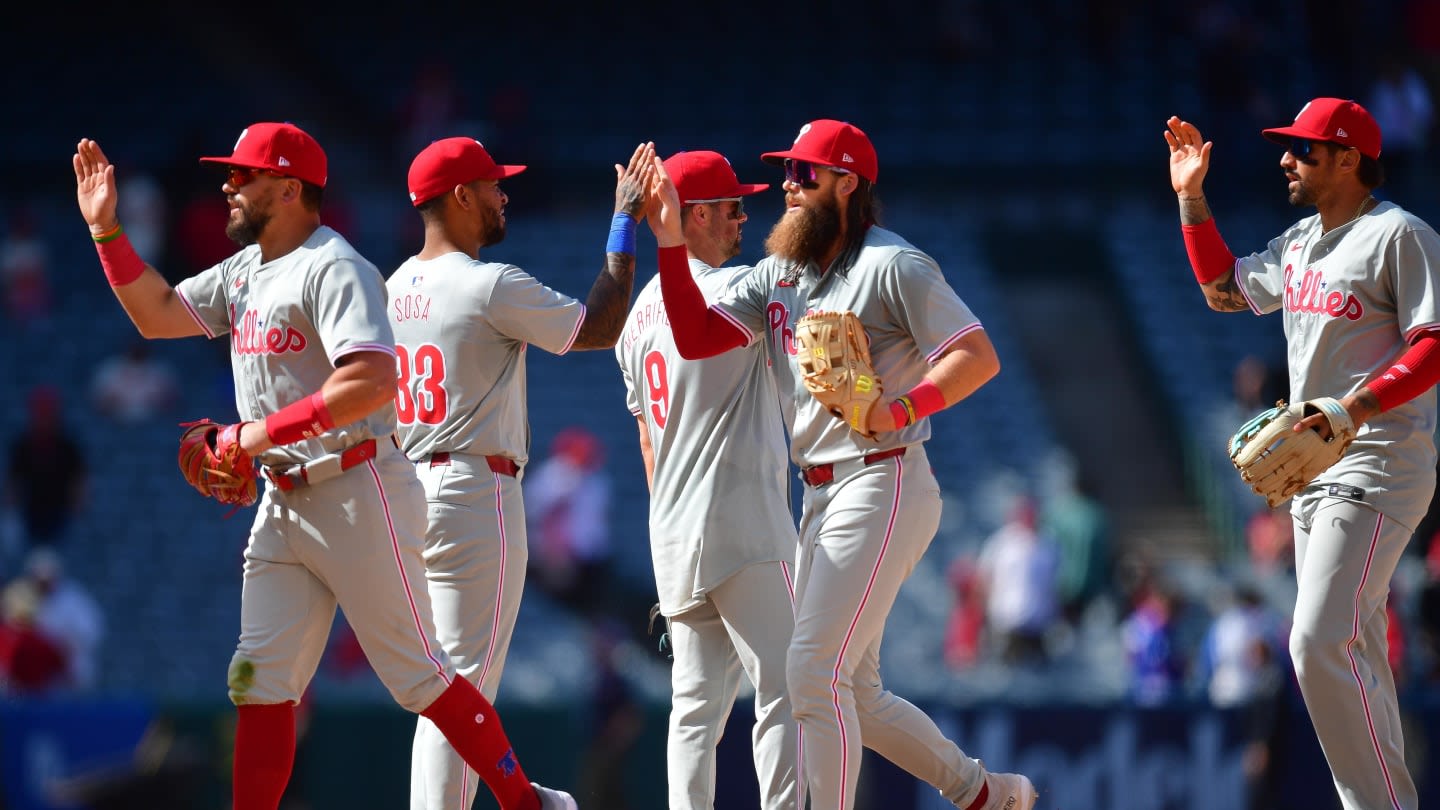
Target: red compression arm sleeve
<point>1416,372</point>
<point>699,330</point>
<point>1210,257</point>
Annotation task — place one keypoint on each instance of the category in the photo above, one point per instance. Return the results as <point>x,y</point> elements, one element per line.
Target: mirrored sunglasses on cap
<point>802,172</point>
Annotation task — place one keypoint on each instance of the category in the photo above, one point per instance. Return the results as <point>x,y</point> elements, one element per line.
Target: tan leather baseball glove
<point>212,460</point>
<point>834,355</point>
<point>1276,461</point>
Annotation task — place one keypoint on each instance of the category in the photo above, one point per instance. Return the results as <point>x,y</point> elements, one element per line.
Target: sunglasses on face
<point>238,176</point>
<point>803,173</point>
<point>1301,148</point>
<point>737,212</point>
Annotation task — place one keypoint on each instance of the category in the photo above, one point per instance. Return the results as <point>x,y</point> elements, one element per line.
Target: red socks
<point>264,755</point>
<point>472,726</point>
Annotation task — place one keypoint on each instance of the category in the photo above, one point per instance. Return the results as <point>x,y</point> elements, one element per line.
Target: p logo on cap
<point>282,148</point>
<point>828,142</point>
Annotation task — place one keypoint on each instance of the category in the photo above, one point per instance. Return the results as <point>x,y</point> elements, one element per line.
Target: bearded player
<point>872,506</point>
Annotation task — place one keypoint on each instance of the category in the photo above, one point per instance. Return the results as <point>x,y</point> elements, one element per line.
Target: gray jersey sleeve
<point>522,307</point>
<point>348,302</point>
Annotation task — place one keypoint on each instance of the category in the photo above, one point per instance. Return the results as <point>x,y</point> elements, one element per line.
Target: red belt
<point>301,476</point>
<point>822,474</point>
<point>498,464</point>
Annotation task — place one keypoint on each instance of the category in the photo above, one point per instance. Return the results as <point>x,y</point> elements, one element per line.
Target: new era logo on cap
<point>1335,120</point>
<point>828,142</point>
<point>282,148</point>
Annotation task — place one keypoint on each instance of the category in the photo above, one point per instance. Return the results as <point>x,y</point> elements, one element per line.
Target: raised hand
<point>95,186</point>
<point>1189,157</point>
<point>632,182</point>
<point>664,207</point>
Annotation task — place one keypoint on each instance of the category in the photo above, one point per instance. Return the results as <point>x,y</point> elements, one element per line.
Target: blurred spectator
<point>143,211</point>
<point>1270,536</point>
<point>1076,520</point>
<point>1256,384</point>
<point>46,471</point>
<point>1428,616</point>
<point>567,507</point>
<point>1237,661</point>
<point>965,630</point>
<point>199,241</point>
<point>30,663</point>
<point>434,108</point>
<point>25,270</point>
<point>133,387</point>
<point>1018,568</point>
<point>68,615</point>
<point>1402,104</point>
<point>1156,663</point>
<point>615,721</point>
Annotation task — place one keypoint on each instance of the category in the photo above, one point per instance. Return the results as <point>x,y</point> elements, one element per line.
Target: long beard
<point>247,230</point>
<point>805,234</point>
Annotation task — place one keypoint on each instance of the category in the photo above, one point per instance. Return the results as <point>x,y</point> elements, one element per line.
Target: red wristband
<point>925,399</point>
<point>119,260</point>
<point>298,421</point>
<point>1210,257</point>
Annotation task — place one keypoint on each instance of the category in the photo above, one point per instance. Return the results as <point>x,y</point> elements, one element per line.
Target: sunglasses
<point>736,213</point>
<point>802,172</point>
<point>240,176</point>
<point>1302,147</point>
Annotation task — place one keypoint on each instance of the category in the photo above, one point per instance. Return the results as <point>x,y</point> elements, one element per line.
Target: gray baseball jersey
<point>862,532</point>
<point>354,539</point>
<point>722,539</point>
<point>461,331</point>
<point>1353,299</point>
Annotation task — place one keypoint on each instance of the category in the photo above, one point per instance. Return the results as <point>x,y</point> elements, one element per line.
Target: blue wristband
<point>622,235</point>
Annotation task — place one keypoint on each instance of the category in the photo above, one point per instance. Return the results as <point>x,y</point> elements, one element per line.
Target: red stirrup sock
<point>264,755</point>
<point>472,726</point>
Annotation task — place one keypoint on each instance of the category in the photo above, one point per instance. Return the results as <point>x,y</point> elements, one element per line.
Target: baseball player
<point>871,507</point>
<point>722,537</point>
<point>1359,285</point>
<point>461,331</point>
<point>342,521</point>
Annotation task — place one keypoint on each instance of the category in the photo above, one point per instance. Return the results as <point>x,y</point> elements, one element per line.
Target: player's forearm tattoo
<point>630,197</point>
<point>1223,294</point>
<point>1194,210</point>
<point>608,303</point>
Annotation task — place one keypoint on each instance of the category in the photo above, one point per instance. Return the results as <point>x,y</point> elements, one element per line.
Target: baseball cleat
<point>560,800</point>
<point>1010,791</point>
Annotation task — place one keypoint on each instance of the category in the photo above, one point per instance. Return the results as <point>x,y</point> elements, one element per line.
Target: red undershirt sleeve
<point>1417,371</point>
<point>1210,257</point>
<point>699,330</point>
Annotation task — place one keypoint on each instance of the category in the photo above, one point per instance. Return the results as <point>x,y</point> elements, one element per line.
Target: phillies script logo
<point>778,318</point>
<point>248,337</point>
<point>1310,296</point>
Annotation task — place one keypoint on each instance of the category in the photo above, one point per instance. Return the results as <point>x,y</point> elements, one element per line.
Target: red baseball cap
<point>832,143</point>
<point>451,162</point>
<point>1332,119</point>
<point>704,176</point>
<point>282,148</point>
